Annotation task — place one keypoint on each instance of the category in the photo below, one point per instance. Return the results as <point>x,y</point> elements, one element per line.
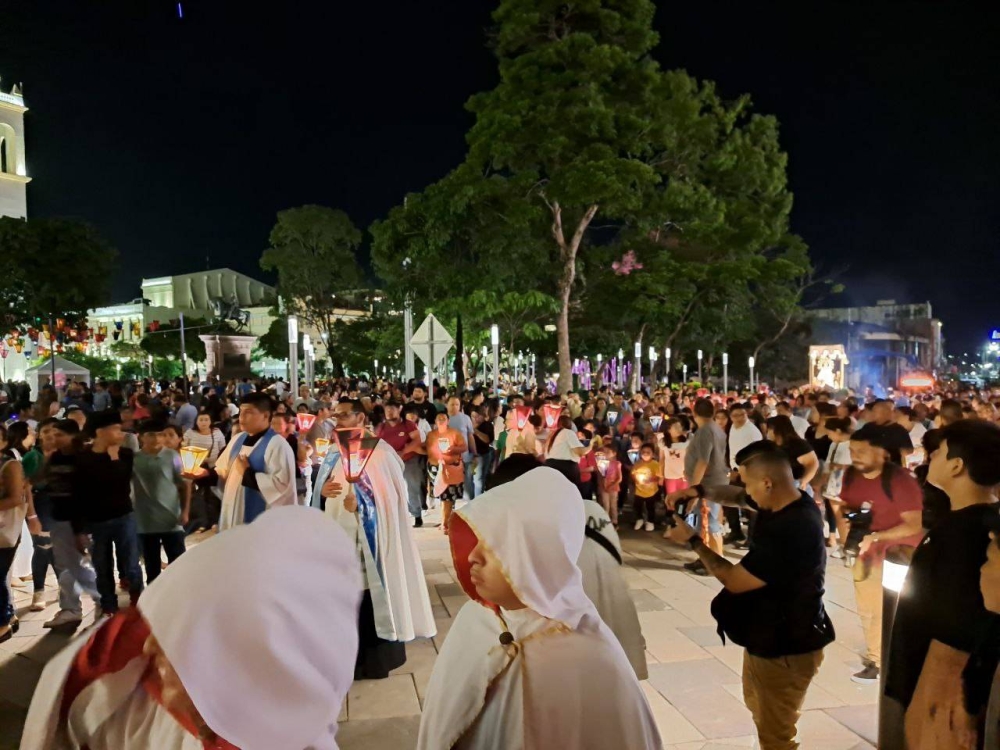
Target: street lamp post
<point>652,364</point>
<point>638,367</point>
<point>600,375</point>
<point>306,348</point>
<point>149,359</point>
<point>700,355</point>
<point>750,362</point>
<point>293,353</point>
<point>495,340</point>
<point>621,369</point>
<point>684,370</point>
<point>667,363</point>
<point>486,351</point>
<point>725,373</point>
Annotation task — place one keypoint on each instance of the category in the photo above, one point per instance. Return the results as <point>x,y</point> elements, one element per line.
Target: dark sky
<point>181,138</point>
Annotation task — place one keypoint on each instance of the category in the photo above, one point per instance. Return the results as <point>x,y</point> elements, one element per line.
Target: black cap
<point>101,419</point>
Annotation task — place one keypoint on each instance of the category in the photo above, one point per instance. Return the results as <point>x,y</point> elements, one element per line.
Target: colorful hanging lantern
<point>119,324</point>
<point>305,421</point>
<point>551,413</point>
<point>136,329</point>
<point>154,326</point>
<point>612,417</point>
<point>355,448</point>
<point>33,335</point>
<point>192,458</point>
<point>321,446</point>
<point>521,414</point>
<point>655,421</point>
<point>60,323</point>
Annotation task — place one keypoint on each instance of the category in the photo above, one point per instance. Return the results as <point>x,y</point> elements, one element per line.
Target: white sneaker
<point>649,526</point>
<point>638,525</point>
<point>64,617</point>
<point>37,601</point>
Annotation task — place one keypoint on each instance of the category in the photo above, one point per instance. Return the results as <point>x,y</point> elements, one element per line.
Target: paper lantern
<point>355,448</point>
<point>192,458</point>
<point>521,414</point>
<point>633,456</point>
<point>305,421</point>
<point>655,421</point>
<point>602,465</point>
<point>612,417</point>
<point>643,476</point>
<point>551,413</point>
<point>321,446</point>
<point>444,445</point>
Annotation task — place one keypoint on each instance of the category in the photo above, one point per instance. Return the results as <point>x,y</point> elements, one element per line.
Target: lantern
<point>521,414</point>
<point>321,446</point>
<point>444,445</point>
<point>355,448</point>
<point>551,413</point>
<point>602,464</point>
<point>192,458</point>
<point>643,476</point>
<point>633,456</point>
<point>60,322</point>
<point>154,326</point>
<point>655,421</point>
<point>305,421</point>
<point>612,417</point>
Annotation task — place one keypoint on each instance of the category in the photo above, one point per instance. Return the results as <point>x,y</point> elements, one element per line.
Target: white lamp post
<point>293,353</point>
<point>484,353</point>
<point>684,370</point>
<point>652,364</point>
<point>700,355</point>
<point>725,373</point>
<point>621,369</point>
<point>638,367</point>
<point>306,353</point>
<point>495,340</point>
<point>667,363</point>
<point>750,362</point>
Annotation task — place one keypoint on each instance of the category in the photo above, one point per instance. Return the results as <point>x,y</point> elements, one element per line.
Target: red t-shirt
<point>886,512</point>
<point>398,436</point>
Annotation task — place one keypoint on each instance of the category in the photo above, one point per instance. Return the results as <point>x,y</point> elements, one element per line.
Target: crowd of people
<point>93,483</point>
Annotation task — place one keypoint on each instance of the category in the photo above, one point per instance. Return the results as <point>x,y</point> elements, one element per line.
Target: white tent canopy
<point>38,376</point>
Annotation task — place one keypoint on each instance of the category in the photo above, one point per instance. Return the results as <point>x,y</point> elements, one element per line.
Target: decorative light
<point>668,352</point>
<point>444,445</point>
<point>321,446</point>
<point>356,448</point>
<point>750,362</point>
<point>655,421</point>
<point>521,414</point>
<point>638,349</point>
<point>612,417</point>
<point>192,456</point>
<point>725,358</point>
<point>551,413</point>
<point>633,456</point>
<point>305,421</point>
<point>495,334</point>
<point>652,354</point>
<point>602,464</point>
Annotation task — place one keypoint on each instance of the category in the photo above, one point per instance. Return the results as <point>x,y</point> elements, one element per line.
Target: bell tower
<point>13,171</point>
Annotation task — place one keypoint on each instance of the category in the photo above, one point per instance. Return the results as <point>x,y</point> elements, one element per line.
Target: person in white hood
<point>529,664</point>
<point>247,642</point>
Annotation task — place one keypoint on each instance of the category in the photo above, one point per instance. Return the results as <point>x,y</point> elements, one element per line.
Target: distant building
<point>882,341</point>
<point>13,168</point>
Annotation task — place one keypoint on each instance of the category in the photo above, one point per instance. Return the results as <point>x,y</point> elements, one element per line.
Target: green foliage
<point>52,267</point>
<point>312,249</point>
<point>274,343</point>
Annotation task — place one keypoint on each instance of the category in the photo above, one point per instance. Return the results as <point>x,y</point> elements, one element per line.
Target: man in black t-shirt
<point>772,603</point>
<point>896,440</point>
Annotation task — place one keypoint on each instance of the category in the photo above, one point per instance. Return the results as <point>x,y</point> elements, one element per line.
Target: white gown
<point>276,485</point>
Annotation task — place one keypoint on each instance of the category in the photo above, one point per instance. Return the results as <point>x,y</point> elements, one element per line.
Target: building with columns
<point>13,167</point>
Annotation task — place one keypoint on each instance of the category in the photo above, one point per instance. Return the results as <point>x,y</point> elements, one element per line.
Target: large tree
<point>312,249</point>
<point>56,268</point>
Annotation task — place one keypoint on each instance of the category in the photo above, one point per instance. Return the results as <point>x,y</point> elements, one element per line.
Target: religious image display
<point>827,366</point>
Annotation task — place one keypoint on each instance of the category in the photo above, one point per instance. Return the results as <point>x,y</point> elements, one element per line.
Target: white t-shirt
<point>917,435</point>
<point>672,460</point>
<point>740,438</point>
<point>563,445</point>
<point>840,454</point>
<point>800,424</point>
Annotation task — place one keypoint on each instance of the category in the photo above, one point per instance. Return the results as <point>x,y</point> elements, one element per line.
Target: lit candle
<point>192,458</point>
<point>322,446</point>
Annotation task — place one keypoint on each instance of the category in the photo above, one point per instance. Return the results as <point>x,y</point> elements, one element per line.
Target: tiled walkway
<point>693,688</point>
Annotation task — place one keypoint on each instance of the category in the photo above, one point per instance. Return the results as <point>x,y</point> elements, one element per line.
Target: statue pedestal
<point>227,356</point>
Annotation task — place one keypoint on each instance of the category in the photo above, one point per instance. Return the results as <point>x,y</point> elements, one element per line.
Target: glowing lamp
<point>633,456</point>
<point>643,476</point>
<point>305,421</point>
<point>893,575</point>
<point>655,421</point>
<point>356,448</point>
<point>612,416</point>
<point>444,445</point>
<point>551,413</point>
<point>521,414</point>
<point>602,465</point>
<point>321,446</point>
<point>192,458</point>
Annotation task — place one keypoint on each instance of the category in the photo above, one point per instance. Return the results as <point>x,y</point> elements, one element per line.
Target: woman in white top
<point>205,504</point>
<point>838,461</point>
<point>563,449</point>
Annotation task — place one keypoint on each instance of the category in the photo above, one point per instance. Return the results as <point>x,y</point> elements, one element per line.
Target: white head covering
<point>260,624</point>
<point>534,525</point>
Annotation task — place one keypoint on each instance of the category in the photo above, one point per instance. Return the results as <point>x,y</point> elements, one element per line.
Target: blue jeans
<point>415,475</point>
<point>6,601</point>
<point>470,485</point>
<point>483,470</point>
<point>115,537</point>
<point>76,573</point>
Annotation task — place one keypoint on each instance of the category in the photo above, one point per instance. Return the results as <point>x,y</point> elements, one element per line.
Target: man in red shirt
<point>895,501</point>
<point>404,438</point>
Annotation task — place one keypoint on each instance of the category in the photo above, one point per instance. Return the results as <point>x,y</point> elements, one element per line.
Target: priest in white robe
<point>210,658</point>
<point>373,512</point>
<point>257,467</point>
<point>529,664</point>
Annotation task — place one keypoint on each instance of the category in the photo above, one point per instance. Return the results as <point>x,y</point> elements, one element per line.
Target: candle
<point>322,446</point>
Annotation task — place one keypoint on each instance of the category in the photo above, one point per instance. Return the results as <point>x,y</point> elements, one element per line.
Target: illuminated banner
<point>827,366</point>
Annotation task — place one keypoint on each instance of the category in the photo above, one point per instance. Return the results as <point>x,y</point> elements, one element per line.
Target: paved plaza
<point>694,681</point>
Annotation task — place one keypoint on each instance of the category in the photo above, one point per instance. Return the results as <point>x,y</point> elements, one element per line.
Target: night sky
<point>181,138</point>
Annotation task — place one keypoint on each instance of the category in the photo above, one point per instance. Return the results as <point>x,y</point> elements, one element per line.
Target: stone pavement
<point>694,684</point>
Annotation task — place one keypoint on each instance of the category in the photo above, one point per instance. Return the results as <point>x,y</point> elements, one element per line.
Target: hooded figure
<point>230,647</point>
<point>539,670</point>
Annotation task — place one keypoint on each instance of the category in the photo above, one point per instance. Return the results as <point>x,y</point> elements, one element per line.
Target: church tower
<point>13,172</point>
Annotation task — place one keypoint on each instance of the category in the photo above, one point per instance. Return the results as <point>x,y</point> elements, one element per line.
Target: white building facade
<point>13,165</point>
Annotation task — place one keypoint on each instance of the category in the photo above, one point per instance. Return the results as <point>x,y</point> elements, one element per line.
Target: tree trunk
<point>459,356</point>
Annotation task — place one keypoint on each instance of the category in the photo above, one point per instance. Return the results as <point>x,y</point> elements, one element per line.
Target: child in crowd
<point>646,479</point>
<point>609,480</point>
<point>588,465</point>
<point>162,498</point>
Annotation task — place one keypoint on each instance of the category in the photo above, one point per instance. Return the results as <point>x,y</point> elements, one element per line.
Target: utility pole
<point>184,360</point>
